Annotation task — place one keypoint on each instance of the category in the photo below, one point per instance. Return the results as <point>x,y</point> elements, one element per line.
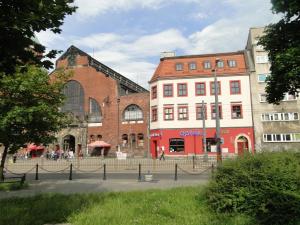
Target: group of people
<point>59,154</point>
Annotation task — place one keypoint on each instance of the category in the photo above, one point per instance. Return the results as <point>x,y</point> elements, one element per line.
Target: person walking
<point>162,154</point>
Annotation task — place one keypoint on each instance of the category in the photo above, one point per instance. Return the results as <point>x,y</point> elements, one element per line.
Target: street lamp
<point>218,136</point>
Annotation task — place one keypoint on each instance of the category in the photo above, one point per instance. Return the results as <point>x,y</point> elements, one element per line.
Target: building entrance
<point>242,145</point>
<point>69,143</point>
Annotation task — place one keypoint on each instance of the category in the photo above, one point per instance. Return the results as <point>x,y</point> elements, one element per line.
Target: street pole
<point>218,138</point>
<point>118,127</point>
<point>204,132</point>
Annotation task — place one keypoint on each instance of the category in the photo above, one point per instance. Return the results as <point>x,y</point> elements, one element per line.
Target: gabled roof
<point>72,50</point>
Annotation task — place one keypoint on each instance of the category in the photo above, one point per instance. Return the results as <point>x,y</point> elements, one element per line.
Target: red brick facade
<point>113,93</point>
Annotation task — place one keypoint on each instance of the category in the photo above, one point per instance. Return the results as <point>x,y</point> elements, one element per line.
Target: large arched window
<point>133,112</point>
<point>74,102</point>
<point>95,115</point>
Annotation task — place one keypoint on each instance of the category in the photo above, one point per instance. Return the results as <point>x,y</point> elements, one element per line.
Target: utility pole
<point>118,127</point>
<point>203,112</point>
<point>218,138</point>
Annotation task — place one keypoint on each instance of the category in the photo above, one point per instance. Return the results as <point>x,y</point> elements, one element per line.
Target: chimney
<point>167,54</point>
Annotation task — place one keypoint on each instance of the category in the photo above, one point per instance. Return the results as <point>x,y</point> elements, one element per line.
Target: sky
<point>129,35</point>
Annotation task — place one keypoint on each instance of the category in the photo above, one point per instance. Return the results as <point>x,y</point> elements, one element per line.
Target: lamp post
<point>218,138</point>
<point>118,127</point>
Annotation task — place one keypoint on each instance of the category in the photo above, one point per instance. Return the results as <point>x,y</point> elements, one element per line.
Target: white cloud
<point>92,8</point>
<point>48,38</point>
<point>230,33</point>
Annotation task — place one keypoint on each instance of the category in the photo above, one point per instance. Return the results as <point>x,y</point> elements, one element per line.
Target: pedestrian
<point>162,154</point>
<point>14,157</point>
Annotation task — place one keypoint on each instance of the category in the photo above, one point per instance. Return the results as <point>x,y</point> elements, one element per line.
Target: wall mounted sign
<point>190,133</point>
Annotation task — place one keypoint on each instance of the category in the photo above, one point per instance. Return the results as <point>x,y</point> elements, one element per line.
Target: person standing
<point>162,153</point>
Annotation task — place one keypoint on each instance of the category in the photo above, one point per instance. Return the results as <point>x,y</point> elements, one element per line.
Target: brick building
<point>105,106</point>
<point>179,86</point>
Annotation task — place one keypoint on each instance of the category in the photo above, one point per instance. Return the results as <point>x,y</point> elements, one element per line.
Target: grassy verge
<point>182,206</point>
<point>12,186</point>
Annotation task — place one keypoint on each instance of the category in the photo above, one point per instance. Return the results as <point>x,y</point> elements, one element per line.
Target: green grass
<point>182,206</point>
<point>12,186</point>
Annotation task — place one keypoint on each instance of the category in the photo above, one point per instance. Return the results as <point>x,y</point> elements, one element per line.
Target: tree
<point>29,108</point>
<point>19,20</point>
<point>282,41</point>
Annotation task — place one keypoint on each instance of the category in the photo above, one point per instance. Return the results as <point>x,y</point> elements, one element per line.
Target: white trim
<point>236,145</point>
<point>94,124</point>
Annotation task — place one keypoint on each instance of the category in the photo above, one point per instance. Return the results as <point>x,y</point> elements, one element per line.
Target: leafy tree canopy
<point>19,20</point>
<point>29,107</point>
<point>282,41</point>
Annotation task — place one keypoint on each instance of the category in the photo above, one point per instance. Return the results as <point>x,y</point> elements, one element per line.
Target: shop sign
<point>190,133</point>
<point>155,135</point>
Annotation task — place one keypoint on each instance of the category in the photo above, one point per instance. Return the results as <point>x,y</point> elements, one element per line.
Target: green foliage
<point>180,206</point>
<point>19,21</point>
<point>29,107</point>
<point>266,186</point>
<point>282,41</point>
<point>12,186</point>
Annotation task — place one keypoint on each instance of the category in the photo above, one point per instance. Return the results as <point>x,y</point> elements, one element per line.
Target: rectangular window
<point>212,87</point>
<point>154,92</point>
<point>213,112</point>
<point>287,116</point>
<point>262,97</point>
<point>231,63</point>
<point>183,112</point>
<point>168,90</point>
<point>236,111</point>
<point>176,145</point>
<point>179,66</point>
<point>182,89</point>
<point>262,77</point>
<point>289,137</point>
<point>206,65</point>
<point>200,89</point>
<point>200,111</point>
<point>220,64</point>
<point>289,97</point>
<point>192,66</point>
<point>235,87</point>
<point>168,113</point>
<point>154,114</point>
<point>262,59</point>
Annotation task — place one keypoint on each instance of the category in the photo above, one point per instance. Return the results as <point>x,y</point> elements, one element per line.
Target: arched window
<point>74,102</point>
<point>95,115</point>
<point>133,112</point>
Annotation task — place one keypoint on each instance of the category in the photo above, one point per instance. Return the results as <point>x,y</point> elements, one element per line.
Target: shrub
<point>264,185</point>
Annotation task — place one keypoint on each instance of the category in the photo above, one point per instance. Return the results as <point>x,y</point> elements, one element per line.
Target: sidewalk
<point>96,185</point>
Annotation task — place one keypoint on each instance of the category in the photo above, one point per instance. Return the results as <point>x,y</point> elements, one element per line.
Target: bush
<point>264,185</point>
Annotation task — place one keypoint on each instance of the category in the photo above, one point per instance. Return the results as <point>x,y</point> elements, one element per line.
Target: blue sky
<point>129,35</point>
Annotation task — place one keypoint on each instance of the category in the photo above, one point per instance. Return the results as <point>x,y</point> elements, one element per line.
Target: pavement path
<point>114,183</point>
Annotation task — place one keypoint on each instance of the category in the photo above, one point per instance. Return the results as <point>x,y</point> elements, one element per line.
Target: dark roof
<point>104,69</point>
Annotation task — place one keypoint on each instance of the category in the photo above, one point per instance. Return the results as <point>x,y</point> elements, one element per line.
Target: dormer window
<point>231,63</point>
<point>179,66</point>
<point>192,66</point>
<point>220,64</point>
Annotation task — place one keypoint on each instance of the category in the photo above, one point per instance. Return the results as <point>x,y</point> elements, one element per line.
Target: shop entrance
<point>242,145</point>
<point>69,143</point>
<point>154,150</point>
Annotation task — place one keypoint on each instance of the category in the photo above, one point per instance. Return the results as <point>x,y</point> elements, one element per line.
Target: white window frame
<point>293,137</point>
<point>260,98</point>
<point>265,74</point>
<point>287,97</point>
<point>285,116</point>
<point>262,59</point>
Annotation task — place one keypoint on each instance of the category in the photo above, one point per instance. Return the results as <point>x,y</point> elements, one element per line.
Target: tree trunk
<point>3,162</point>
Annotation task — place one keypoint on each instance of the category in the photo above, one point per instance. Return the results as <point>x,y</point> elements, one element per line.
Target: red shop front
<point>184,142</point>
